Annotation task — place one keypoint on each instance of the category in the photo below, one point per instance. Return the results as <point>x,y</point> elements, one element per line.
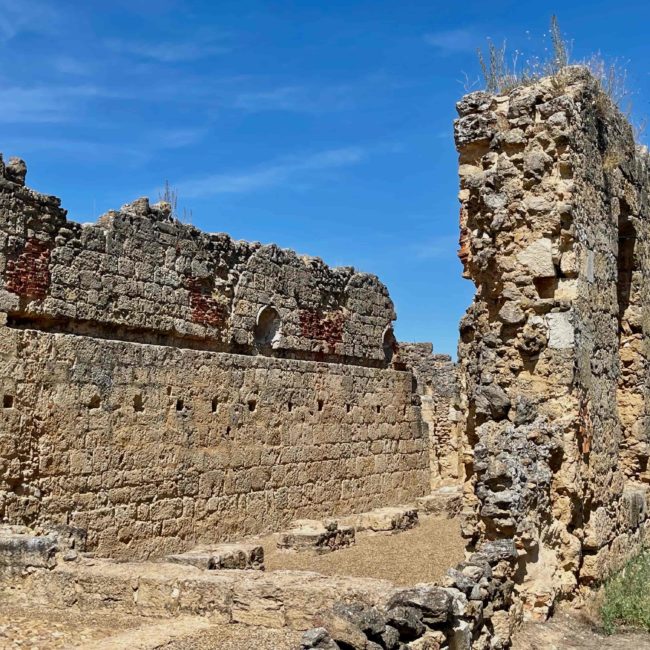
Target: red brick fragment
<point>322,326</point>
<point>206,310</point>
<point>29,274</point>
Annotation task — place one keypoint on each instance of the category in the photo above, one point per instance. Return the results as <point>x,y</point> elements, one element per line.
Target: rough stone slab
<point>20,548</point>
<point>270,599</point>
<point>561,330</point>
<point>223,556</point>
<point>446,501</point>
<point>318,536</point>
<point>385,520</point>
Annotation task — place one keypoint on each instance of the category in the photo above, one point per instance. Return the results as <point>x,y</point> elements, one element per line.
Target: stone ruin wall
<point>161,386</point>
<point>244,386</point>
<point>553,350</point>
<point>437,385</point>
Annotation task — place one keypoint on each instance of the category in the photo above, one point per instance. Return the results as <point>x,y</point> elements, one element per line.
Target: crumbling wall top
<point>138,270</point>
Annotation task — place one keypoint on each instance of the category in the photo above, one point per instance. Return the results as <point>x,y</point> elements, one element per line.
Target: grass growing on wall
<point>626,600</point>
<point>501,75</point>
<point>503,72</point>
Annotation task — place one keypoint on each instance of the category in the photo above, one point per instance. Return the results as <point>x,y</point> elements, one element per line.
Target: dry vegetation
<point>503,72</point>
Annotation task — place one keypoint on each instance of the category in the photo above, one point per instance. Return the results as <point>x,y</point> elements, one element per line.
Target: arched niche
<point>389,343</point>
<point>267,327</point>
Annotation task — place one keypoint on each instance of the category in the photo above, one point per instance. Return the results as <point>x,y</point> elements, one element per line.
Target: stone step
<point>317,536</point>
<point>222,556</point>
<point>272,599</point>
<point>384,520</point>
<point>445,501</point>
<point>21,548</point>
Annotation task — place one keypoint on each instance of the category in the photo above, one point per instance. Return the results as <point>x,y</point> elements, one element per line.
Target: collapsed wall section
<point>436,384</point>
<point>162,387</point>
<point>553,350</point>
<point>140,274</point>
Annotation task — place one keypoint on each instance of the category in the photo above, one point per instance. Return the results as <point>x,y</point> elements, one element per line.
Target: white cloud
<point>453,41</point>
<point>175,138</point>
<point>134,152</point>
<point>275,174</point>
<point>43,104</point>
<point>19,16</point>
<point>295,99</point>
<point>167,52</point>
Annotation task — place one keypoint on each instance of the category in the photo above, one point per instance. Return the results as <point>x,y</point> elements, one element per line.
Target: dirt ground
<point>57,628</point>
<point>572,631</point>
<point>238,637</point>
<point>52,629</point>
<point>421,554</point>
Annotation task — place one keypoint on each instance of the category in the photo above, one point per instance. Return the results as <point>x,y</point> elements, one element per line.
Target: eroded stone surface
<point>438,389</point>
<point>317,536</point>
<point>223,556</point>
<point>21,549</point>
<point>553,350</point>
<point>391,519</point>
<point>445,501</point>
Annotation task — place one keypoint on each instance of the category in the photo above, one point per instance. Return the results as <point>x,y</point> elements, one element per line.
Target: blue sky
<point>323,126</point>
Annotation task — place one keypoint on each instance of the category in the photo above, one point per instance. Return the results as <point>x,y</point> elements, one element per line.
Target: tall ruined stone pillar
<point>553,350</point>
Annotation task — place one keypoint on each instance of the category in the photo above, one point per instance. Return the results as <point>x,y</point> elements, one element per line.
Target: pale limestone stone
<point>223,556</point>
<point>390,519</point>
<point>538,258</point>
<point>317,536</point>
<point>445,501</point>
<point>461,636</point>
<point>561,333</point>
<point>430,640</point>
<point>569,264</point>
<point>511,313</point>
<point>567,289</point>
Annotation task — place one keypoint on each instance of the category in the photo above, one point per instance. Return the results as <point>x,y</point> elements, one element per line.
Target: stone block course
<point>144,401</point>
<point>138,272</point>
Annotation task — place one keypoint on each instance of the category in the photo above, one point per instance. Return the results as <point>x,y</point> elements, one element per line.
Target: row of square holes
<point>252,405</point>
<point>138,404</point>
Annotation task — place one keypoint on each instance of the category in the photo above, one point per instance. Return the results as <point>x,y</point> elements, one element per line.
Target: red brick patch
<point>29,274</point>
<point>205,309</point>
<point>322,326</point>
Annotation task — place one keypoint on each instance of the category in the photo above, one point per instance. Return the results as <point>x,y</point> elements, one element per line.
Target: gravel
<point>422,554</point>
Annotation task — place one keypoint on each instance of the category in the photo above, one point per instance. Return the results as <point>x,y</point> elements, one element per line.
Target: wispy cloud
<point>20,16</point>
<point>44,104</point>
<point>277,173</point>
<point>438,247</point>
<point>453,41</point>
<point>175,138</point>
<point>168,52</point>
<point>295,99</point>
<point>69,65</point>
<point>135,152</point>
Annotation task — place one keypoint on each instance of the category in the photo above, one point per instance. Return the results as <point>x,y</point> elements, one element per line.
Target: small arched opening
<point>267,328</point>
<point>389,344</point>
